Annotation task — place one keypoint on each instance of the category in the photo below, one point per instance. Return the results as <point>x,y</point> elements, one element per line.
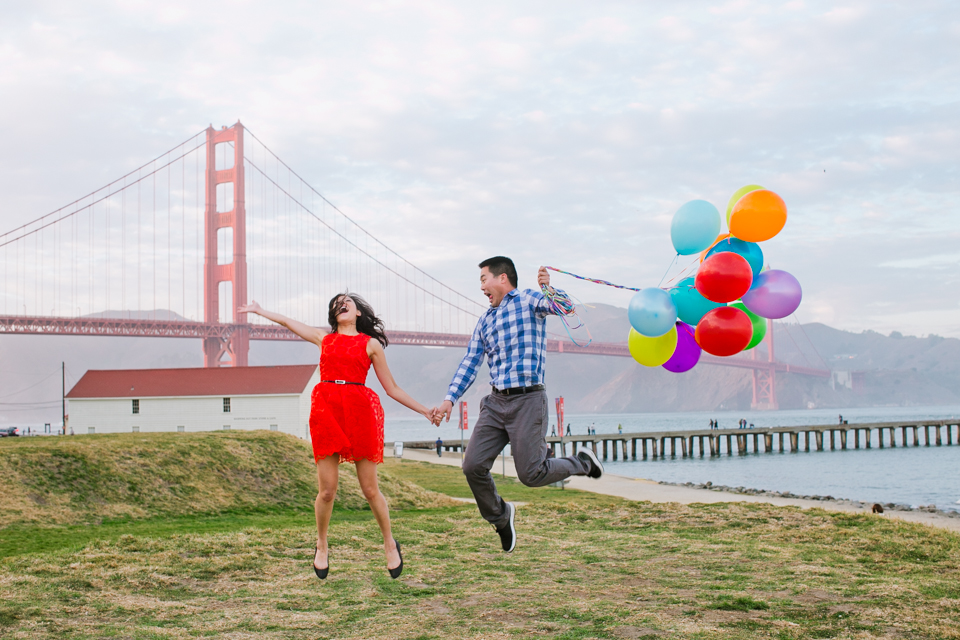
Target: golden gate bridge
<point>172,248</point>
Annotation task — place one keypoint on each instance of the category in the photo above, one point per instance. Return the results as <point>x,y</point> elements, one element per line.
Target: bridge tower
<point>225,238</point>
<point>765,380</point>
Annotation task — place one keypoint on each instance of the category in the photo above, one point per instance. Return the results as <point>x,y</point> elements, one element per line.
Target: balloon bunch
<point>723,308</point>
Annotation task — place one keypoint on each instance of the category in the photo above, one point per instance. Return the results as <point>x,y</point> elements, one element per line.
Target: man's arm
<point>465,375</point>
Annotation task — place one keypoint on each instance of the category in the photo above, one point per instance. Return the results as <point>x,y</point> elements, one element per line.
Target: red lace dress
<point>346,418</point>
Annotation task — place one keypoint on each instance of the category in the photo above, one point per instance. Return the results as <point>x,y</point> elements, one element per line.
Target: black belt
<point>342,382</point>
<point>516,391</point>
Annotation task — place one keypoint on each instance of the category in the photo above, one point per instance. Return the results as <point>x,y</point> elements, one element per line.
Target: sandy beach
<point>651,491</point>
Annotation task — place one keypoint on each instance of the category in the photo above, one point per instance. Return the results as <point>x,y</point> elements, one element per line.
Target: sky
<point>557,133</point>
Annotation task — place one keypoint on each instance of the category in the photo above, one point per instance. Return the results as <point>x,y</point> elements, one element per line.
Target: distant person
<point>512,335</point>
<point>550,453</point>
<point>593,428</point>
<point>620,429</point>
<point>346,419</point>
<point>439,448</point>
<point>553,431</point>
<point>568,429</point>
<point>711,423</point>
<point>841,418</point>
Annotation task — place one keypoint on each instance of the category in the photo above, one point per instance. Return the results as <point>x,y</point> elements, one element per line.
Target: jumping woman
<point>346,419</point>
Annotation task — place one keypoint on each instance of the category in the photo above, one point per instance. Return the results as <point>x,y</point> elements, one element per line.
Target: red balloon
<point>724,277</point>
<point>724,331</point>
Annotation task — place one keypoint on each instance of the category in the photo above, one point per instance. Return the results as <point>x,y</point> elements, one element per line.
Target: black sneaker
<point>507,533</point>
<point>588,456</point>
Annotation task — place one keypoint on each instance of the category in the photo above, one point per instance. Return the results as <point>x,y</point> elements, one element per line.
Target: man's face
<point>494,287</point>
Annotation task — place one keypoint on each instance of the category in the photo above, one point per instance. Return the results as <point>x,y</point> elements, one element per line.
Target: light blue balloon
<point>695,226</point>
<point>691,305</point>
<point>749,250</point>
<point>652,312</point>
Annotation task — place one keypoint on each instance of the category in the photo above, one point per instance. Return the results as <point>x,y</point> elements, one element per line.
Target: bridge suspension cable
<point>135,249</point>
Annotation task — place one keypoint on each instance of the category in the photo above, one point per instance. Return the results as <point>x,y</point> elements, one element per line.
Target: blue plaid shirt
<point>514,337</point>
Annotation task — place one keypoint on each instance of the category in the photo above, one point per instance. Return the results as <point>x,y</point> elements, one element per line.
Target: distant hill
<point>899,370</point>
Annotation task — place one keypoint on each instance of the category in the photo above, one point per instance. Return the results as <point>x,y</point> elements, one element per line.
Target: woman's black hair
<point>368,323</point>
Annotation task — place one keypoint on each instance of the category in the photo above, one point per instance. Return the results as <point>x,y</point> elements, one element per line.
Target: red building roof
<point>221,381</point>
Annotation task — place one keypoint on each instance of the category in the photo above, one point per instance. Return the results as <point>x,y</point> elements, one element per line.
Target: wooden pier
<point>718,442</point>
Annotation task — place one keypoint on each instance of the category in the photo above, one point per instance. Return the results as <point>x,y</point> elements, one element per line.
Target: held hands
<point>444,411</point>
<point>434,416</point>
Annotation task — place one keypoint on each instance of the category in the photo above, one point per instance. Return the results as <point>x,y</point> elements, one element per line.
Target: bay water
<point>912,476</point>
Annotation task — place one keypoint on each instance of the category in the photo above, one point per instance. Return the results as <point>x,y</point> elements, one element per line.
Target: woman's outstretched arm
<point>305,331</point>
<point>379,360</point>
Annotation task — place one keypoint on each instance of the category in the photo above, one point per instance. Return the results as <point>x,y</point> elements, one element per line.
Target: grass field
<point>586,566</point>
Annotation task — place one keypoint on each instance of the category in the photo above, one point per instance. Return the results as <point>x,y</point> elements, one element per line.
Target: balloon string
<point>675,258</point>
<point>620,286</point>
<point>565,308</point>
<point>683,273</point>
<point>593,280</point>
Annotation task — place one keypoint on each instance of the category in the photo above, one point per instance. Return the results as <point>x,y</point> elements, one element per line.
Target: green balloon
<point>759,325</point>
<point>739,193</point>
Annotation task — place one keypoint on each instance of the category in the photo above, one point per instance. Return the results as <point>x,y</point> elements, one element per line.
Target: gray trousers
<point>521,421</point>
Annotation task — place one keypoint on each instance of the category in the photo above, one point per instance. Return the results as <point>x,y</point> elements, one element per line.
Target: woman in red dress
<point>346,419</point>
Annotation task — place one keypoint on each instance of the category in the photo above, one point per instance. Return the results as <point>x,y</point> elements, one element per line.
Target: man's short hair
<point>499,265</point>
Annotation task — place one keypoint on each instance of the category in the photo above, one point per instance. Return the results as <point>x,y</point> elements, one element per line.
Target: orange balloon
<point>722,236</point>
<point>758,216</point>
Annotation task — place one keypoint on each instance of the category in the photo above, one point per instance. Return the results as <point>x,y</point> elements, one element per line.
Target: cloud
<point>558,133</point>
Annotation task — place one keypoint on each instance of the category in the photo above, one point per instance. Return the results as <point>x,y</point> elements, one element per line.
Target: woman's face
<point>347,311</point>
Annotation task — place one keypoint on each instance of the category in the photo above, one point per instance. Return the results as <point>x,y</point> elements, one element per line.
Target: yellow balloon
<point>652,352</point>
<point>739,193</point>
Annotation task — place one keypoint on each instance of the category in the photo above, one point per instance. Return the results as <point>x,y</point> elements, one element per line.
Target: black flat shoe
<point>395,573</point>
<point>321,573</point>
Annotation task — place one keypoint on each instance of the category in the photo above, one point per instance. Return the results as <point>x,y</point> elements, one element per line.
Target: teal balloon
<point>750,251</point>
<point>695,226</point>
<point>652,312</point>
<point>691,305</point>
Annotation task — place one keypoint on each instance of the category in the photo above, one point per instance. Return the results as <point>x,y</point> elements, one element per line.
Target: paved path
<point>651,491</point>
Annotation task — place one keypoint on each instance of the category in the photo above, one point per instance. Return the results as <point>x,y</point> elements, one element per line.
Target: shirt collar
<point>513,293</point>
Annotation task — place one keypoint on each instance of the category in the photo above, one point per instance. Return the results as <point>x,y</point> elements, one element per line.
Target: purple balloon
<point>687,353</point>
<point>775,294</point>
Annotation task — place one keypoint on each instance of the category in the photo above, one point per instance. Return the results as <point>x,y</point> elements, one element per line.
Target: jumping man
<point>512,334</point>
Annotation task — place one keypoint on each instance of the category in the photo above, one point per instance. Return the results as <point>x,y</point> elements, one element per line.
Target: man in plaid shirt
<point>512,334</point>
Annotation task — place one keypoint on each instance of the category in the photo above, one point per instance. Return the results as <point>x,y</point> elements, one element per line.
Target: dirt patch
<point>816,596</point>
<point>635,633</point>
<point>435,607</point>
<point>718,616</point>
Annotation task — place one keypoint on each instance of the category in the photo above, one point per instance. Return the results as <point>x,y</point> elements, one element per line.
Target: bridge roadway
<point>128,327</point>
<point>717,442</point>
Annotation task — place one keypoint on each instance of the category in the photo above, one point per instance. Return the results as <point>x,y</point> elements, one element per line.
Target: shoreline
<point>642,490</point>
<point>887,506</point>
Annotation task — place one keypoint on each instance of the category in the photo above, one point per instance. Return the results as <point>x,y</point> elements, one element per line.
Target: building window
<point>136,429</point>
<point>226,427</point>
<point>136,406</point>
<point>91,429</point>
<point>226,405</point>
<point>181,428</point>
<point>273,427</point>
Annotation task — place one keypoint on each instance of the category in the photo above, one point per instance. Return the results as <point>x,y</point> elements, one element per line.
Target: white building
<point>171,400</point>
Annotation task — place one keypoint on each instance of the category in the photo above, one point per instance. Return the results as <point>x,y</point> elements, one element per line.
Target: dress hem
<point>346,458</point>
